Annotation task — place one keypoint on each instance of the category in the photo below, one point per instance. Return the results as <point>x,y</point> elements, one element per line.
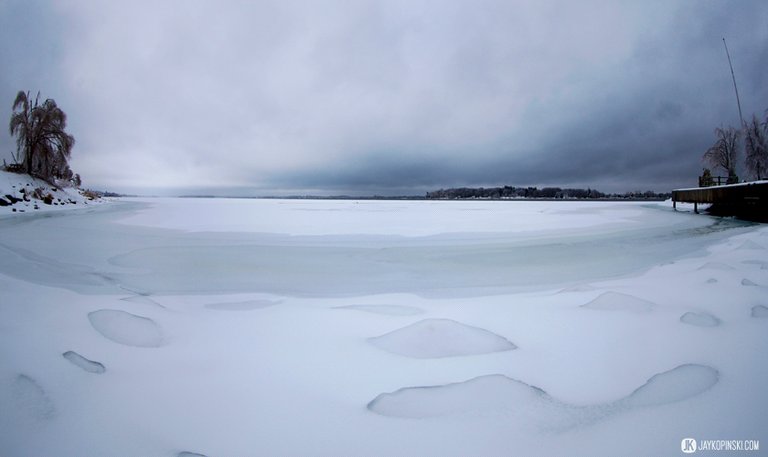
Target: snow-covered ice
<point>189,327</point>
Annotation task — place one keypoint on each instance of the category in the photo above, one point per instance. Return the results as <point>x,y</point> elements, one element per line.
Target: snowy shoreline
<point>381,328</point>
<point>21,193</point>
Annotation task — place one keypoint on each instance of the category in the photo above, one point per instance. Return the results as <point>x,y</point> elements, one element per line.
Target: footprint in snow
<point>760,311</point>
<point>31,400</point>
<point>87,365</point>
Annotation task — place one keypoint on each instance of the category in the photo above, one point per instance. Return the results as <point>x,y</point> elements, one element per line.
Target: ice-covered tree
<point>756,147</point>
<point>43,145</point>
<point>722,154</point>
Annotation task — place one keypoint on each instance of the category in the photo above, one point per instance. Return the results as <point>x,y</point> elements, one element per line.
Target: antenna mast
<point>738,102</point>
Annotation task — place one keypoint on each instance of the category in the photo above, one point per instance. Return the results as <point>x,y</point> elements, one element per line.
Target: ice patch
<point>87,365</point>
<point>389,310</point>
<point>31,400</point>
<point>433,338</point>
<point>616,301</point>
<point>126,328</point>
<point>760,311</point>
<point>531,405</point>
<point>747,282</point>
<point>243,305</point>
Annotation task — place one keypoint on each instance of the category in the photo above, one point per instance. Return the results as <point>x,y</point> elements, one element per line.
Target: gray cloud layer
<point>387,96</point>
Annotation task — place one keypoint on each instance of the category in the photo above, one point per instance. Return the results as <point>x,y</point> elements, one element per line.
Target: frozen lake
<point>319,327</point>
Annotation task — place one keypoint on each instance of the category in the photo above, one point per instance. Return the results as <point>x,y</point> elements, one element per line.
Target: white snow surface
<point>171,327</point>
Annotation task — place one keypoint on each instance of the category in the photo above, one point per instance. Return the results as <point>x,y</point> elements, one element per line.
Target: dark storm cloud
<point>390,97</point>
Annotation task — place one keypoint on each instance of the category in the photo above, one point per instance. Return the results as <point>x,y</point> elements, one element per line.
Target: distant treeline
<point>508,192</point>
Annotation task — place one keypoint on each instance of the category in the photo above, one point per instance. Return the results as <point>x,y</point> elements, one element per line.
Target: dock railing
<point>709,181</point>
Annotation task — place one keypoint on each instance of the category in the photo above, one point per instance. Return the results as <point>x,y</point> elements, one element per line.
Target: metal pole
<point>738,102</point>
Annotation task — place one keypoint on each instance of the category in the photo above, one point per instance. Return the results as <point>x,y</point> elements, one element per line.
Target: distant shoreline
<point>415,198</point>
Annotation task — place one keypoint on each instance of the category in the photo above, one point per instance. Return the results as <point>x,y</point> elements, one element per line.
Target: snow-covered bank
<point>24,194</point>
<point>523,328</point>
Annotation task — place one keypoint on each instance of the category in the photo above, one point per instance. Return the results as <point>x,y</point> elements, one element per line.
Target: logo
<point>688,445</point>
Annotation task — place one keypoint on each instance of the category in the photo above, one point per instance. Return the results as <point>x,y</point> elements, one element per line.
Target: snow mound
<point>615,301</point>
<point>433,338</point>
<point>243,305</point>
<point>532,405</point>
<point>760,311</point>
<point>747,282</point>
<point>677,384</point>
<point>763,264</point>
<point>716,266</point>
<point>389,310</point>
<point>577,288</point>
<point>126,328</point>
<point>87,365</point>
<point>30,399</point>
<point>750,245</point>
<point>482,394</point>
<point>143,299</point>
<point>700,319</point>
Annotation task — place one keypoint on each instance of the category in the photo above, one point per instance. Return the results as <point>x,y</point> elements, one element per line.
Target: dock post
<point>696,207</point>
<point>674,205</point>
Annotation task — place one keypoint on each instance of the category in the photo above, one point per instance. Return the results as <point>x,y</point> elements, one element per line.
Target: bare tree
<point>756,147</point>
<point>722,154</point>
<point>42,143</point>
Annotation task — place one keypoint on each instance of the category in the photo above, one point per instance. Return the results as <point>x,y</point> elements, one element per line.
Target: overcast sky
<point>393,97</point>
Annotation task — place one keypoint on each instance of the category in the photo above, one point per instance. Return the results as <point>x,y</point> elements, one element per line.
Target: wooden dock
<point>748,200</point>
